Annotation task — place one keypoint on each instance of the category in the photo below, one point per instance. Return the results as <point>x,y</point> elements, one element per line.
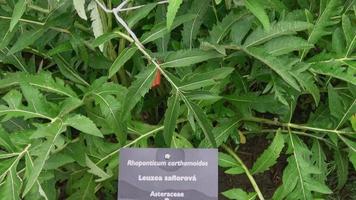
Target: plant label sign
<point>168,174</point>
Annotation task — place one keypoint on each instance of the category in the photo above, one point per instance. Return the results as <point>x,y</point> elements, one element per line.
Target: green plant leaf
<point>338,68</point>
<point>257,9</point>
<point>26,39</point>
<point>5,141</point>
<point>188,57</point>
<point>239,194</point>
<point>323,22</point>
<point>201,118</point>
<point>286,44</point>
<point>173,6</point>
<point>19,10</point>
<point>352,158</point>
<point>83,124</point>
<point>269,157</point>
<point>221,29</point>
<point>97,171</point>
<point>43,81</point>
<point>278,65</point>
<point>200,80</point>
<point>260,36</point>
<point>235,170</point>
<point>139,14</point>
<point>191,28</point>
<point>53,131</point>
<point>179,141</point>
<point>226,160</point>
<point>68,71</point>
<point>240,29</point>
<point>16,109</point>
<point>12,185</point>
<point>159,30</point>
<point>221,133</point>
<point>97,25</point>
<point>300,168</point>
<point>121,59</point>
<point>342,168</point>
<point>170,118</point>
<point>138,88</point>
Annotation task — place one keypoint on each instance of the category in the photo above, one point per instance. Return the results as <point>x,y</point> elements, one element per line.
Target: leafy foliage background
<point>79,81</point>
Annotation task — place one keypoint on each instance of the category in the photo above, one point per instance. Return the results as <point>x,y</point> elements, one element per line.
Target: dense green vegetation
<point>81,79</point>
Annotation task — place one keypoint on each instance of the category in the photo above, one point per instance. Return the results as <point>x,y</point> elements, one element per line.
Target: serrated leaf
<point>68,71</point>
<point>161,29</point>
<point>85,188</point>
<point>26,39</point>
<point>5,141</point>
<point>240,29</point>
<point>221,133</point>
<point>83,124</point>
<point>200,80</point>
<point>37,189</point>
<point>79,7</point>
<point>138,88</point>
<point>54,130</point>
<point>289,180</point>
<point>260,36</point>
<point>201,118</point>
<point>16,109</point>
<point>257,9</point>
<point>319,158</point>
<point>97,25</point>
<point>103,94</point>
<point>14,59</point>
<point>269,157</point>
<point>173,6</point>
<point>335,103</point>
<point>221,29</point>
<point>19,10</point>
<point>323,22</point>
<point>301,168</point>
<point>121,59</point>
<point>43,81</point>
<point>11,188</point>
<point>278,65</point>
<point>188,57</point>
<point>326,64</point>
<point>139,14</point>
<point>286,44</point>
<point>170,118</point>
<point>191,28</point>
<point>342,168</point>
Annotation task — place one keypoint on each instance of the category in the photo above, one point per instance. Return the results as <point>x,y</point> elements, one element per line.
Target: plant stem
<point>39,9</point>
<point>295,132</point>
<point>38,23</point>
<point>296,126</point>
<point>247,171</point>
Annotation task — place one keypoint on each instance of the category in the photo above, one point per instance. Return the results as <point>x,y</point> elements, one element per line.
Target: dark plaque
<point>168,174</point>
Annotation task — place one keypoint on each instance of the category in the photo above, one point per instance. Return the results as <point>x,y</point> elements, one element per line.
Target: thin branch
<point>140,6</point>
<point>297,126</point>
<point>247,171</point>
